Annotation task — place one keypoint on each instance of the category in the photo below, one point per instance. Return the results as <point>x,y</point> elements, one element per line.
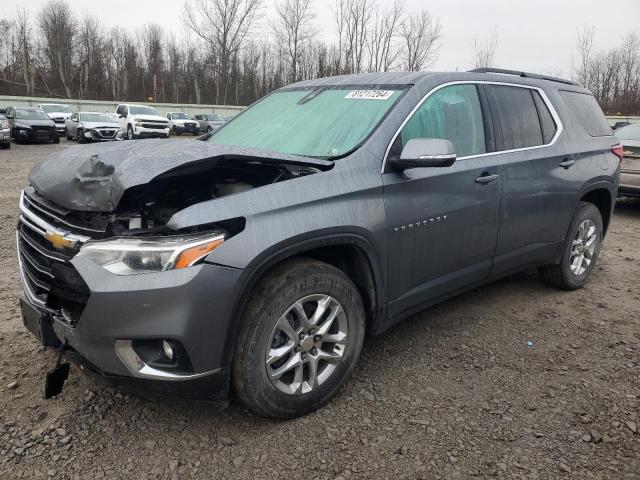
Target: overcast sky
<point>537,35</point>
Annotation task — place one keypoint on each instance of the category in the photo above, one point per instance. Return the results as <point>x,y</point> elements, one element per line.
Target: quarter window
<point>515,117</point>
<point>451,113</point>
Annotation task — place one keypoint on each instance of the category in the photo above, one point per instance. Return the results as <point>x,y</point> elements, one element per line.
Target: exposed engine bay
<point>146,209</point>
<point>149,207</point>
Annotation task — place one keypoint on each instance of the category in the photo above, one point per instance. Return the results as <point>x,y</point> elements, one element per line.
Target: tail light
<point>618,151</point>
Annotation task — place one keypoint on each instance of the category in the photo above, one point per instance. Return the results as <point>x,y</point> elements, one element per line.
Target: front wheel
<point>56,139</point>
<point>580,252</point>
<point>130,134</point>
<point>300,337</point>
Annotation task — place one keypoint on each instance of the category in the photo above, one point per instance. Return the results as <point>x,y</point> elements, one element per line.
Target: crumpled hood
<point>95,178</point>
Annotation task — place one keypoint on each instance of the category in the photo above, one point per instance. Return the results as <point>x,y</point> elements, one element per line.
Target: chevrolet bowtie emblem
<point>58,241</point>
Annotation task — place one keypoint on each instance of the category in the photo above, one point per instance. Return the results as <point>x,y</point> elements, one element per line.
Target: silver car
<point>209,122</point>
<point>92,126</point>
<point>5,132</point>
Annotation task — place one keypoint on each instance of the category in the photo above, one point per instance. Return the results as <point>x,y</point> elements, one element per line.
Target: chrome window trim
<point>545,99</point>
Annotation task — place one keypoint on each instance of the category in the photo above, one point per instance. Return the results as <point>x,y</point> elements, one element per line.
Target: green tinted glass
<point>451,113</point>
<point>316,123</point>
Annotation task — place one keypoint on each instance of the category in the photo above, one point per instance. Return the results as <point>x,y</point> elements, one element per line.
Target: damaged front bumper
<point>110,324</point>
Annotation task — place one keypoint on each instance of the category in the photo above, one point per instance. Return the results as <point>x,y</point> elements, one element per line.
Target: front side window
<point>451,113</point>
<point>314,122</point>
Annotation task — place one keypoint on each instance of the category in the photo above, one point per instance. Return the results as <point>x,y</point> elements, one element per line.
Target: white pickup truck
<point>138,121</point>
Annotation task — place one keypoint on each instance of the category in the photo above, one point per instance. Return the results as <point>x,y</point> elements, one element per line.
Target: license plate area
<point>38,322</point>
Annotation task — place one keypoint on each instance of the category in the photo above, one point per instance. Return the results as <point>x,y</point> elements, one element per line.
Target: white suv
<point>58,112</point>
<point>138,121</point>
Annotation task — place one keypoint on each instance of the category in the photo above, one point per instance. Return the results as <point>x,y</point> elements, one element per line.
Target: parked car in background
<point>209,122</point>
<point>258,259</point>
<point>29,124</point>
<point>5,132</point>
<point>619,125</point>
<point>180,122</point>
<point>92,127</point>
<point>58,112</point>
<point>138,121</point>
<point>629,137</point>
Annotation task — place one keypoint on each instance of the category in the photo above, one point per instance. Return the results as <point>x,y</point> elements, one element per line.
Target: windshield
<point>214,118</point>
<point>95,117</point>
<point>180,116</point>
<point>55,108</point>
<point>312,122</point>
<point>630,132</point>
<point>31,114</point>
<point>135,110</point>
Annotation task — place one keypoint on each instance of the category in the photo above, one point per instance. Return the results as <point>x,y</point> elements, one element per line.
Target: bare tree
<point>585,49</point>
<point>58,28</point>
<point>90,47</point>
<point>25,50</point>
<point>421,35</point>
<point>484,50</point>
<point>383,52</point>
<point>224,25</point>
<point>292,28</point>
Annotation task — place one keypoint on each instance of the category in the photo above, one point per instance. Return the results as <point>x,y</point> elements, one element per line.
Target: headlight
<point>128,256</point>
<point>4,124</point>
<point>22,125</point>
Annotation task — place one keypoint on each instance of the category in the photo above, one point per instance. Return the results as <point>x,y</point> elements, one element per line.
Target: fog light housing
<point>167,350</point>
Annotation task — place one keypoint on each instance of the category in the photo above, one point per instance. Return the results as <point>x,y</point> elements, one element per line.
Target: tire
<point>5,145</point>
<point>272,303</point>
<point>69,137</point>
<point>564,275</point>
<point>130,134</point>
<point>209,128</point>
<point>56,139</point>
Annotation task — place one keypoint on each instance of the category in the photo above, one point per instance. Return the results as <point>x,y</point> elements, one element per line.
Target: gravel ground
<point>454,392</point>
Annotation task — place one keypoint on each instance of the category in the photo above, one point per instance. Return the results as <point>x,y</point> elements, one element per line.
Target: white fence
<point>107,106</point>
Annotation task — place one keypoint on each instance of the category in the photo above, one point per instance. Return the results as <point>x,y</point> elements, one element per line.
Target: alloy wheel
<point>306,344</point>
<point>583,247</point>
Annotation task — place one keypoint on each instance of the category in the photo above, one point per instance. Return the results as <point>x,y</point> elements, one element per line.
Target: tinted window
<point>451,113</point>
<point>515,117</point>
<point>586,109</point>
<point>546,120</point>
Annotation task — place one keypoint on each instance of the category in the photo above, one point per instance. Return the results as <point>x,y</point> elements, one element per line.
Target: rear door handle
<point>486,178</point>
<point>567,164</point>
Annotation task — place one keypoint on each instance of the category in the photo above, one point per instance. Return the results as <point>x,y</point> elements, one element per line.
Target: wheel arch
<point>351,253</point>
<point>600,195</point>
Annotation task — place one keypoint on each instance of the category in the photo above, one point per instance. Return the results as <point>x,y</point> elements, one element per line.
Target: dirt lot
<point>455,392</point>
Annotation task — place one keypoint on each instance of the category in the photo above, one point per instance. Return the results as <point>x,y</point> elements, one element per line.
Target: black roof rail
<point>523,74</point>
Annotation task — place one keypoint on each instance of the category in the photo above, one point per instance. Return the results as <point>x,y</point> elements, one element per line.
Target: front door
<point>442,222</point>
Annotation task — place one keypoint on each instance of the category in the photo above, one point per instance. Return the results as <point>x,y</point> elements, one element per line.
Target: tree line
<point>232,52</point>
<point>612,75</point>
<point>229,53</point>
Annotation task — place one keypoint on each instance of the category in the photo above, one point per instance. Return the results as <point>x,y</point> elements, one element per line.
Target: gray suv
<point>258,259</point>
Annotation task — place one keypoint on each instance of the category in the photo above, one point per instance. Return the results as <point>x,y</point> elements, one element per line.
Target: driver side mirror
<point>425,152</point>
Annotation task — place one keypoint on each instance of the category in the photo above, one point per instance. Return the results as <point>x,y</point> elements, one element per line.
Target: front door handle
<point>486,178</point>
<point>567,164</point>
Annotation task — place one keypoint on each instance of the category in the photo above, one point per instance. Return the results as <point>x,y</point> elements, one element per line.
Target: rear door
<point>443,222</point>
<point>539,180</point>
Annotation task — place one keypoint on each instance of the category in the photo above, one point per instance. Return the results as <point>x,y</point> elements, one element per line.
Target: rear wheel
<point>300,337</point>
<point>581,250</point>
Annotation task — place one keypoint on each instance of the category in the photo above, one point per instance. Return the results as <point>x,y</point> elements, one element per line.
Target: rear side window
<point>451,113</point>
<point>586,109</point>
<point>546,119</point>
<point>515,117</point>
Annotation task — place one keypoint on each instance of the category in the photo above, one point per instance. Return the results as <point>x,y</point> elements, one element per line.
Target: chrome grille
<point>49,279</point>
